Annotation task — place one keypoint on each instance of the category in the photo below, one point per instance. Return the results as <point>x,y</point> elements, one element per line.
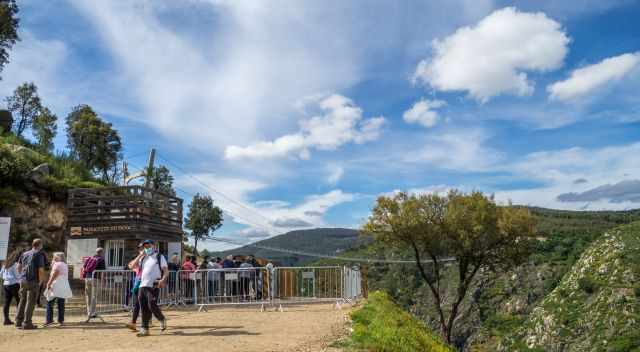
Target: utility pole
<point>149,173</point>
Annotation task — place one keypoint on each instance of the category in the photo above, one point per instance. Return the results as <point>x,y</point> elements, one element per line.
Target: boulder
<point>39,172</point>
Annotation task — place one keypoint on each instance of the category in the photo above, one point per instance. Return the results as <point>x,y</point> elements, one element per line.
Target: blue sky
<point>299,114</point>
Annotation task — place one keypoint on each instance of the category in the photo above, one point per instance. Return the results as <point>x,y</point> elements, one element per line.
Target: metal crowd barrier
<point>261,286</point>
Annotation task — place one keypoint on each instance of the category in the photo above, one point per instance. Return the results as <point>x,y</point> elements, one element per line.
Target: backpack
<point>159,257</point>
<point>89,266</point>
<point>27,262</point>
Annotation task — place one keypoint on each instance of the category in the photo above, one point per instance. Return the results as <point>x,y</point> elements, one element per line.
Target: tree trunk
<point>195,246</point>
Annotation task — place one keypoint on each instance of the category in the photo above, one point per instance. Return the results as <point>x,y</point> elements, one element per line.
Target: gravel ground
<point>298,328</point>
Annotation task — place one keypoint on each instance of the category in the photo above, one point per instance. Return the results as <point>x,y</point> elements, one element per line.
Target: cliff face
<point>596,306</point>
<point>36,215</point>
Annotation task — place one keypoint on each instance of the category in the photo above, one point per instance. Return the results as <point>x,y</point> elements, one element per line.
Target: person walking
<point>58,288</point>
<point>155,272</point>
<point>31,268</point>
<point>96,262</point>
<point>11,283</point>
<point>135,302</point>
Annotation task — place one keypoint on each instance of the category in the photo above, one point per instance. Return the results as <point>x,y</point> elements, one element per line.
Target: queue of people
<point>23,275</point>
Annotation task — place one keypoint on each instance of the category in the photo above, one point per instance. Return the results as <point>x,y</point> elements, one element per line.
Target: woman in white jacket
<point>58,289</point>
<point>11,283</point>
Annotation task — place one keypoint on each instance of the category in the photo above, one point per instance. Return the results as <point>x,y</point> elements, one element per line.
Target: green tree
<point>8,29</point>
<point>94,142</point>
<point>25,105</point>
<point>203,219</point>
<point>471,228</point>
<point>162,180</point>
<point>45,129</point>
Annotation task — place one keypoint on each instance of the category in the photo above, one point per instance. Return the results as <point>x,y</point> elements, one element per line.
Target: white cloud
<point>38,61</point>
<point>272,216</point>
<point>491,57</point>
<point>424,113</point>
<point>461,150</point>
<point>558,170</point>
<point>335,174</point>
<point>339,122</point>
<point>214,86</point>
<point>585,80</point>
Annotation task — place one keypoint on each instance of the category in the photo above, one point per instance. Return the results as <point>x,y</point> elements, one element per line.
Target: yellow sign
<point>90,230</point>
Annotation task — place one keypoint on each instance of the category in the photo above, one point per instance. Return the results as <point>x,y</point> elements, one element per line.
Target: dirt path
<point>298,328</point>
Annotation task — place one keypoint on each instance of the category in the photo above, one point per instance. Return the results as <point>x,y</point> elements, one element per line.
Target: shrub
<point>587,285</point>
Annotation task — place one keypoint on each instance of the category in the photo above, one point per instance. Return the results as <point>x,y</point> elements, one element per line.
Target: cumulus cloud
<point>493,56</point>
<point>461,150</point>
<point>585,80</point>
<point>423,112</point>
<point>623,191</point>
<point>339,122</point>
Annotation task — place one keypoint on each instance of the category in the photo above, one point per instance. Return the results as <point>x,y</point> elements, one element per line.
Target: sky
<point>299,114</point>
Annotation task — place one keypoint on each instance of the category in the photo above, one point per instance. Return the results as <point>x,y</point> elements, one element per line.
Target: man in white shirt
<point>155,272</point>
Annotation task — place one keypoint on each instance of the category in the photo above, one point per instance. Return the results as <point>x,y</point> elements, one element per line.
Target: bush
<point>587,285</point>
<point>13,166</point>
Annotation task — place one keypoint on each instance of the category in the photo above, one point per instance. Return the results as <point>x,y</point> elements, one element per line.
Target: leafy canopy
<point>25,105</point>
<point>472,228</point>
<point>8,29</point>
<point>94,142</point>
<point>162,180</point>
<point>203,218</point>
<point>45,129</point>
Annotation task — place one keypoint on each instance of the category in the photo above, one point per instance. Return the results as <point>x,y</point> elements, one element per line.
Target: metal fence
<point>238,286</point>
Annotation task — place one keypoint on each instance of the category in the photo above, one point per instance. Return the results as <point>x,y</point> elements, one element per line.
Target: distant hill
<point>329,241</point>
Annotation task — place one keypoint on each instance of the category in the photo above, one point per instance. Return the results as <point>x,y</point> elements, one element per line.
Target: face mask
<point>148,251</point>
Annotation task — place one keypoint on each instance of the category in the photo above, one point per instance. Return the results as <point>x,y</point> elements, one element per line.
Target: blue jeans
<point>60,310</point>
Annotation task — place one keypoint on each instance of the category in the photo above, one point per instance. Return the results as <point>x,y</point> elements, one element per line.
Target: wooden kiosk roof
<point>127,212</point>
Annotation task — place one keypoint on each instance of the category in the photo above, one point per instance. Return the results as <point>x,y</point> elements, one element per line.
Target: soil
<point>297,328</point>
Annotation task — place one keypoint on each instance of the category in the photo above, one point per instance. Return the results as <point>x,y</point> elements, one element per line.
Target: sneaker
<point>29,327</point>
<point>163,324</point>
<point>132,326</point>
<point>19,325</point>
<point>47,324</point>
<point>8,322</point>
<point>61,323</point>
<point>143,332</point>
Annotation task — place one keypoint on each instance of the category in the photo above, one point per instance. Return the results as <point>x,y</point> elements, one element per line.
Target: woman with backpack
<point>11,283</point>
<point>58,288</point>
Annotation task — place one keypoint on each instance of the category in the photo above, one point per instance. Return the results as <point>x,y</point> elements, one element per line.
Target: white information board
<point>5,225</point>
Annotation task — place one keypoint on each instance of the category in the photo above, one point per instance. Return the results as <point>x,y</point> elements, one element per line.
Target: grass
<point>381,325</point>
<point>18,157</point>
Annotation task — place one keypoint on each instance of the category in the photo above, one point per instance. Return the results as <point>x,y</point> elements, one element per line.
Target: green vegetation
<point>8,29</point>
<point>203,219</point>
<point>594,307</point>
<point>472,228</point>
<point>381,325</point>
<point>498,303</point>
